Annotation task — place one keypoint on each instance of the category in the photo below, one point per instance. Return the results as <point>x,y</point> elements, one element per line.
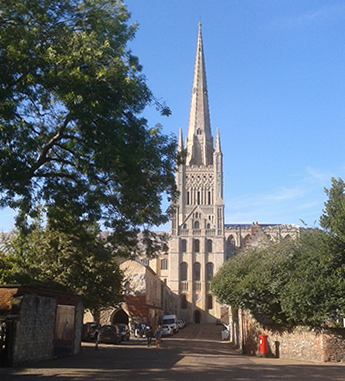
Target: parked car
<point>109,334</point>
<point>172,321</point>
<point>167,330</point>
<point>88,331</point>
<point>180,324</point>
<point>124,331</point>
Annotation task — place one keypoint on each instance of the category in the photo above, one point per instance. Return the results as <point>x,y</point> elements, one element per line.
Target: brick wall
<point>299,344</point>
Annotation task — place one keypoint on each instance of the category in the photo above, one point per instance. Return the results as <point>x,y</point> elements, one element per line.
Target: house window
<point>183,271</point>
<point>183,302</point>
<point>209,271</point>
<point>196,246</point>
<point>209,302</point>
<point>164,264</point>
<point>209,246</point>
<point>196,271</point>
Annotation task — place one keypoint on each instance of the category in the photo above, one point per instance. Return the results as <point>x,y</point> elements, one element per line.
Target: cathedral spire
<point>200,141</point>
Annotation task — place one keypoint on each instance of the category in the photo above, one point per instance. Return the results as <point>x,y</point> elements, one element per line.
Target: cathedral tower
<point>197,226</point>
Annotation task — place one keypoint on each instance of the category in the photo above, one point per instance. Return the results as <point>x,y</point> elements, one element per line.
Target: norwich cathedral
<point>178,282</point>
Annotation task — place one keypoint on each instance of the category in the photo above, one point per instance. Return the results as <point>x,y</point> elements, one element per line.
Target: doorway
<point>120,317</point>
<point>197,317</point>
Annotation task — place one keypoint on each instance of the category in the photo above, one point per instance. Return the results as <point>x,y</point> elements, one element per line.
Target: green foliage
<point>71,136</point>
<point>295,282</point>
<point>77,261</point>
<point>333,217</point>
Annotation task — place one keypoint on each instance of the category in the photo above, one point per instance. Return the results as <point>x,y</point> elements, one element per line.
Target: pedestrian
<point>97,334</point>
<point>148,334</point>
<point>158,336</point>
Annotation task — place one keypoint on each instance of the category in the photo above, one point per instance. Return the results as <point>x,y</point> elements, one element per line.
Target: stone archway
<point>120,317</point>
<point>197,317</point>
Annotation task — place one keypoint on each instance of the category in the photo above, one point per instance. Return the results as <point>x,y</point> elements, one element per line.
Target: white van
<point>172,321</point>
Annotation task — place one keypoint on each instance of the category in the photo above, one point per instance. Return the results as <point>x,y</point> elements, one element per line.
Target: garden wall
<point>298,344</point>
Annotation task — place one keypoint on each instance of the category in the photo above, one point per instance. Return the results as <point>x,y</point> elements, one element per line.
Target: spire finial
<point>217,146</point>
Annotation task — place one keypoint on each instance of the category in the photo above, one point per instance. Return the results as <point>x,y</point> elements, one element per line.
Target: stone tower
<point>197,226</point>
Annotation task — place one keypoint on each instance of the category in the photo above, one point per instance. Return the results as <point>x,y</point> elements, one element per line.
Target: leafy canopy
<point>71,135</point>
<point>296,282</point>
<point>77,261</point>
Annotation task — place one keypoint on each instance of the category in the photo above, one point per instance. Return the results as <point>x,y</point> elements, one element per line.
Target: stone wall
<point>34,334</point>
<point>299,344</point>
<point>37,330</point>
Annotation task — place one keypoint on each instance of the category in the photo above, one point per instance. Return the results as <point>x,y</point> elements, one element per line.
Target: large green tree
<point>301,281</point>
<point>333,216</point>
<point>74,259</point>
<point>71,134</point>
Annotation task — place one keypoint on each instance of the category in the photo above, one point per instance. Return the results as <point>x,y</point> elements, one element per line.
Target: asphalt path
<point>195,353</point>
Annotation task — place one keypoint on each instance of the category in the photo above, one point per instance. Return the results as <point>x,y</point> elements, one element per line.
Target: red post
<point>263,345</point>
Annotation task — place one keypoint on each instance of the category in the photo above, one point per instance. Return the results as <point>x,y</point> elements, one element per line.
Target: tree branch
<point>43,156</point>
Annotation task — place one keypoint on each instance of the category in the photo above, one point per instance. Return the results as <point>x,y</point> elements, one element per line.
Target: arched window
<point>209,198</point>
<point>231,240</point>
<point>183,271</point>
<point>187,198</point>
<point>209,271</point>
<point>164,264</point>
<point>209,245</point>
<point>196,225</point>
<point>208,226</point>
<point>183,302</point>
<point>196,271</point>
<point>198,131</point>
<point>183,246</point>
<point>198,194</point>
<point>196,246</point>
<point>209,302</point>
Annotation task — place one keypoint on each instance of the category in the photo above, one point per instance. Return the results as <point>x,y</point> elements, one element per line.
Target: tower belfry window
<point>198,131</point>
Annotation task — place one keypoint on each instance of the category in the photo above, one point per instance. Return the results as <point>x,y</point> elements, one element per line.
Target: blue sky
<point>276,84</point>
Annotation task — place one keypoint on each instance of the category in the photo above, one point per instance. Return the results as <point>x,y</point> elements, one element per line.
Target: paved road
<point>195,353</point>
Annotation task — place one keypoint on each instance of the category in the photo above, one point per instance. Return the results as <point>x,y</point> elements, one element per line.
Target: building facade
<point>196,248</point>
<point>200,241</point>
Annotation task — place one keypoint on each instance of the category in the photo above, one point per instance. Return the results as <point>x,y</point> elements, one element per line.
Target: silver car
<point>167,330</point>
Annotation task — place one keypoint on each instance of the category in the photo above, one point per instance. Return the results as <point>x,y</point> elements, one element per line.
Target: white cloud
<point>326,14</point>
<point>303,200</point>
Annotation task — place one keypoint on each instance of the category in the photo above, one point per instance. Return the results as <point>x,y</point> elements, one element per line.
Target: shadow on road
<point>196,353</point>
